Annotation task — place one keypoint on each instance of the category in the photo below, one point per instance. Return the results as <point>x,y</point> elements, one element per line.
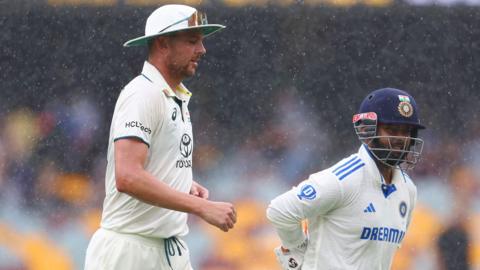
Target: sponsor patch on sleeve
<point>307,192</point>
<point>137,124</point>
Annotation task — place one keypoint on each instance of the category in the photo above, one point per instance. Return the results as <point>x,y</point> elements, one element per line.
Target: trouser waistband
<point>173,246</point>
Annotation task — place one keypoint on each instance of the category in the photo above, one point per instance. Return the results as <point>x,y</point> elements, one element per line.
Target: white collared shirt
<point>148,110</point>
<point>355,220</point>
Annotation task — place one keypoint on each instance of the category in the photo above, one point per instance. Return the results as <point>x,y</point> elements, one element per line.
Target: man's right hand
<point>219,214</point>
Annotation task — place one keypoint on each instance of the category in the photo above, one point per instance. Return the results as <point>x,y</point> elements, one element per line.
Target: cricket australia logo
<point>186,146</point>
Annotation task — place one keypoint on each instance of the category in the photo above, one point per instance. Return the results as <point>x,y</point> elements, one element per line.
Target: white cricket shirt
<point>148,110</point>
<point>355,220</point>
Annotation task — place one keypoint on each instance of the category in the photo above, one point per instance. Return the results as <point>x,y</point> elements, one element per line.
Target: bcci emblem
<point>186,145</point>
<point>403,209</point>
<point>405,108</point>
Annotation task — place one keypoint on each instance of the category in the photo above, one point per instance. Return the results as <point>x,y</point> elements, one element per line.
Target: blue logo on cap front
<point>307,192</point>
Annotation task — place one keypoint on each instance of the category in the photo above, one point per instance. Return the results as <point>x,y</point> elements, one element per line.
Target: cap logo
<point>405,108</point>
<point>203,18</point>
<point>197,18</point>
<point>404,98</point>
<point>193,20</point>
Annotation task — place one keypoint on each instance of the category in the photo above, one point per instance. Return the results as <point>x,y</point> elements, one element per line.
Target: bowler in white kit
<point>149,186</point>
<point>358,211</point>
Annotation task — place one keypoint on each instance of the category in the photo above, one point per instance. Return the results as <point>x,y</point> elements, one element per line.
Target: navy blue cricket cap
<point>392,106</point>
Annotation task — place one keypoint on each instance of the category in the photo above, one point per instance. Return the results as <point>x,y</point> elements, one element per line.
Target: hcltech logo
<point>136,124</point>
<point>186,148</point>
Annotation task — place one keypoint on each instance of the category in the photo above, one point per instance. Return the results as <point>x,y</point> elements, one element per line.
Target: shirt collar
<point>371,166</point>
<point>153,75</point>
<point>373,170</point>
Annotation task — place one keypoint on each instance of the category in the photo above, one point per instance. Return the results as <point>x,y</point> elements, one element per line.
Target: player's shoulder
<point>348,169</point>
<point>412,188</point>
<point>346,172</point>
<point>345,177</point>
<point>142,85</point>
<point>141,89</point>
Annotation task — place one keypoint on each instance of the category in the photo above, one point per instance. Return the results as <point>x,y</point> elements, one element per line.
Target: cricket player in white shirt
<point>149,185</point>
<point>358,210</point>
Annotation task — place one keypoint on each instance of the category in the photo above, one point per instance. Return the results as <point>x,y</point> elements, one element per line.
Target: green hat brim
<point>206,30</point>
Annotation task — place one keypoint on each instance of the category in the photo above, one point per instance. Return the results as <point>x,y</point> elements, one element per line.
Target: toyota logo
<point>186,145</point>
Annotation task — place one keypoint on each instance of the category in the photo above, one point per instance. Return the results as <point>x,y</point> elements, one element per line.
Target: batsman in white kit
<point>149,185</point>
<point>358,210</point>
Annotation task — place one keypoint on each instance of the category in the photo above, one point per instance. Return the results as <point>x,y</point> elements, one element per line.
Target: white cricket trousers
<point>109,250</point>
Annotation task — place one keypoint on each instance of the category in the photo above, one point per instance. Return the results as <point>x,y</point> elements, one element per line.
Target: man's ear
<point>163,42</point>
<point>158,44</point>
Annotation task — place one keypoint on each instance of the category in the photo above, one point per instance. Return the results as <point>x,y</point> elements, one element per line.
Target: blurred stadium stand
<point>244,3</point>
<point>272,102</point>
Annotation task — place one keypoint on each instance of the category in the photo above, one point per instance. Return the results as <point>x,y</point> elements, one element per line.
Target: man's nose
<point>401,141</point>
<point>201,49</point>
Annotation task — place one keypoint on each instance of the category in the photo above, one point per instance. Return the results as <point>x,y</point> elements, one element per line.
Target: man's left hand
<point>199,191</point>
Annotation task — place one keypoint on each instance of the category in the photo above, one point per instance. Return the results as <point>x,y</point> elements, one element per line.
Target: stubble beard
<point>181,71</point>
<point>394,157</point>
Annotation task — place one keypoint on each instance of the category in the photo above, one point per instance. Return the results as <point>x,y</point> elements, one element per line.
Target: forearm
<point>143,186</point>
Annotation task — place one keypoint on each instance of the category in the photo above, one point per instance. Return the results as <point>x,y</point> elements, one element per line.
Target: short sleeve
<point>137,115</point>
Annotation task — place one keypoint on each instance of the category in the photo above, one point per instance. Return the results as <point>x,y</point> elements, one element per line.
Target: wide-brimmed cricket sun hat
<point>173,18</point>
